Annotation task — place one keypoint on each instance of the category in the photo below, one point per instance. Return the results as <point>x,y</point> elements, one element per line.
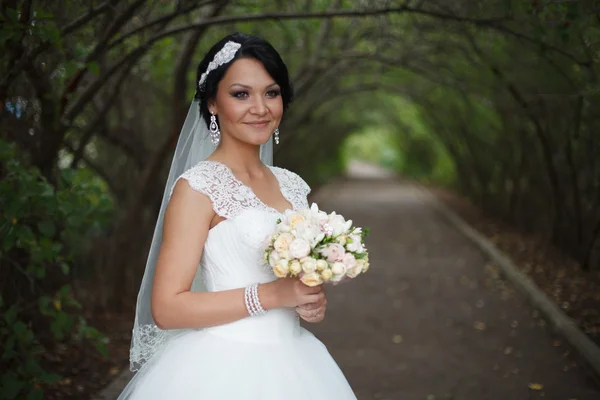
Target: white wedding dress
<point>269,357</point>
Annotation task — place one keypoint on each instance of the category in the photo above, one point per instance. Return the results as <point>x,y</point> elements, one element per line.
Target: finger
<point>310,306</point>
<point>311,289</point>
<point>308,314</point>
<point>316,318</point>
<point>303,313</point>
<point>312,298</point>
<point>314,313</point>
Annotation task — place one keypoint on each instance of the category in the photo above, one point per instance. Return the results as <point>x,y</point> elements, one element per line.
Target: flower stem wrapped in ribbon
<point>316,247</point>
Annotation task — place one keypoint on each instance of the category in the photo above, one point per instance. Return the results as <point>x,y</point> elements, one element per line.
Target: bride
<point>212,321</point>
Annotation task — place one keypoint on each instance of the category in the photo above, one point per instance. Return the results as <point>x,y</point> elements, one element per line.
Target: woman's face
<point>248,103</point>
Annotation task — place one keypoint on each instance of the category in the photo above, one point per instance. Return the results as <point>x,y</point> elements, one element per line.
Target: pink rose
<point>349,260</point>
<point>334,252</point>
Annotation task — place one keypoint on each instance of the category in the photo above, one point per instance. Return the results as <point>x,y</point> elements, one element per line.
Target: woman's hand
<point>313,312</point>
<point>290,293</point>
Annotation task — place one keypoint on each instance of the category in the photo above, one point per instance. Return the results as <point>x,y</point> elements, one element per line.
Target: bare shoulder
<point>189,201</point>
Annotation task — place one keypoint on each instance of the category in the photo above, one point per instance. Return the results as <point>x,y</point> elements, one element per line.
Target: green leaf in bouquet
<point>365,232</point>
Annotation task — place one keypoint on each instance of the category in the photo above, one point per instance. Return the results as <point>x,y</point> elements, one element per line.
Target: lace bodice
<point>233,251</point>
<point>230,197</point>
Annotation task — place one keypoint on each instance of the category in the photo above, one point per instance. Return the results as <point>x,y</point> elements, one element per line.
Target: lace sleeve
<point>296,188</point>
<point>227,195</point>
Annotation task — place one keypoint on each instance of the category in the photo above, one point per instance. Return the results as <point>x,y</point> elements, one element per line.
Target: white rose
<point>336,223</point>
<point>295,267</point>
<point>314,208</point>
<point>273,258</point>
<point>281,269</point>
<point>312,279</point>
<point>318,238</point>
<point>326,274</point>
<point>308,231</point>
<point>322,217</point>
<point>285,255</point>
<point>309,265</point>
<point>282,243</point>
<point>299,248</point>
<point>321,265</point>
<point>354,244</point>
<point>338,268</point>
<point>285,228</point>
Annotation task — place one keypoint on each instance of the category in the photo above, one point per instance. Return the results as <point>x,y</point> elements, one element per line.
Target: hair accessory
<point>223,56</point>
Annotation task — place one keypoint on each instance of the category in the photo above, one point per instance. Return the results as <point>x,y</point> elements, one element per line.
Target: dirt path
<point>430,320</point>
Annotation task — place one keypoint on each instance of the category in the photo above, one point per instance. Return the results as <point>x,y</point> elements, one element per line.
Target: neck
<point>239,156</point>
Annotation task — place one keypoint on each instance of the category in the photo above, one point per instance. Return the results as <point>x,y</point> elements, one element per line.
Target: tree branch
<point>84,19</point>
<point>162,20</point>
<point>87,136</point>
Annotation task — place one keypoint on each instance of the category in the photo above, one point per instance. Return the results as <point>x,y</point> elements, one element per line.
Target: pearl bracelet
<point>252,301</point>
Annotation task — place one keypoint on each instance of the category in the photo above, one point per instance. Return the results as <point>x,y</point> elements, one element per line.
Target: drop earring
<point>215,133</point>
<point>276,134</point>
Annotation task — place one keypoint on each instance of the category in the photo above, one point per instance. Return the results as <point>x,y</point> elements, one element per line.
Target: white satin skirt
<point>269,357</point>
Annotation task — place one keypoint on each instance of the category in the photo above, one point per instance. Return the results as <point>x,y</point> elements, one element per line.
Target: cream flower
<point>309,265</point>
<point>355,270</point>
<point>312,279</point>
<point>366,267</point>
<point>273,258</point>
<point>295,267</point>
<point>295,219</point>
<point>338,268</point>
<point>282,243</point>
<point>326,274</point>
<point>281,269</point>
<point>321,265</point>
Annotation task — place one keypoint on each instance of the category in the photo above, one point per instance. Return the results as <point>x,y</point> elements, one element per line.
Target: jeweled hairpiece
<point>223,56</point>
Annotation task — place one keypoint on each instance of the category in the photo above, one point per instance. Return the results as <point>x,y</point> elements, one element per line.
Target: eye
<point>273,93</point>
<point>240,95</point>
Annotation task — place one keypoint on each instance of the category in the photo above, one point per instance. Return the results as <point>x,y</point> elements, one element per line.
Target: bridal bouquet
<point>316,247</point>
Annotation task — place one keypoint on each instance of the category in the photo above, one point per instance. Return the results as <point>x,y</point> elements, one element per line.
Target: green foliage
<point>38,225</point>
<point>378,146</point>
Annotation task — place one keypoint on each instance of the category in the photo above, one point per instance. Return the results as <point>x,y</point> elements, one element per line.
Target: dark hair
<point>251,47</point>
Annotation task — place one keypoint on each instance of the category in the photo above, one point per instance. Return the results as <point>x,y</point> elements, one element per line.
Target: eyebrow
<point>250,87</point>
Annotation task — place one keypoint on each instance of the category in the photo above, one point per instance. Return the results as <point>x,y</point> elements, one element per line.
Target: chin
<point>263,140</point>
<point>258,139</point>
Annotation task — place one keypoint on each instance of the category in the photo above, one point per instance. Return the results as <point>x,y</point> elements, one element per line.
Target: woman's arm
<point>174,306</point>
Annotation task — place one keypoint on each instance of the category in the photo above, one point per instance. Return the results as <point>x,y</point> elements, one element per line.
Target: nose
<point>259,106</point>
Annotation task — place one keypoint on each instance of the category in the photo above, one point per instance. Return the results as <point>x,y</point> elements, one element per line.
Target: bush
<point>39,226</point>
